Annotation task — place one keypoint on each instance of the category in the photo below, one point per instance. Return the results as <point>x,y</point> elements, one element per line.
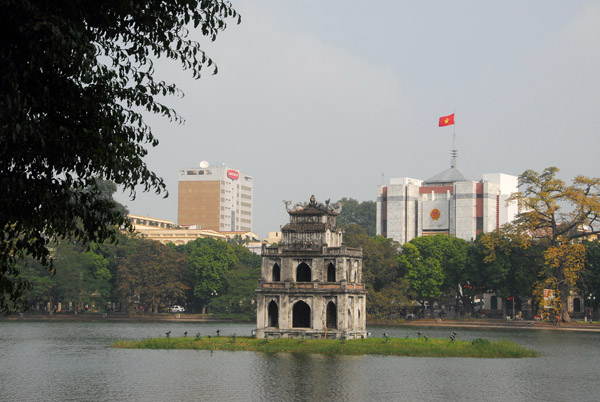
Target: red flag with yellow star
<point>447,120</point>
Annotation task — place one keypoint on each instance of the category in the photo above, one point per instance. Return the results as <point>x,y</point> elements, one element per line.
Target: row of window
<point>301,315</point>
<point>303,273</point>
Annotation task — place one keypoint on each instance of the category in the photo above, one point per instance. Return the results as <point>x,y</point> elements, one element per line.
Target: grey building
<point>447,203</point>
<point>311,283</point>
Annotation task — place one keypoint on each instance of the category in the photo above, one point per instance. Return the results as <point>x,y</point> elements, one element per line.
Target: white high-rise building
<point>215,198</point>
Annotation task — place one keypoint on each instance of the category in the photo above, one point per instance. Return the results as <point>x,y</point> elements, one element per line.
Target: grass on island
<point>373,346</point>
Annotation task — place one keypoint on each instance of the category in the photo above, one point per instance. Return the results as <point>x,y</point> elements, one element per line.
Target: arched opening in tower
<point>276,273</point>
<point>303,273</point>
<point>331,272</point>
<point>331,315</point>
<point>273,314</point>
<point>301,315</point>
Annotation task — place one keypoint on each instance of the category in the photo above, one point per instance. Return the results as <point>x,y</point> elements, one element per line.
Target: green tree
<point>380,256</point>
<point>589,278</point>
<point>558,214</point>
<point>152,274</point>
<point>424,273</point>
<point>41,287</point>
<point>460,278</point>
<point>388,293</point>
<point>207,267</point>
<point>363,214</point>
<point>239,293</point>
<point>81,277</point>
<point>390,301</point>
<point>509,263</point>
<point>76,78</point>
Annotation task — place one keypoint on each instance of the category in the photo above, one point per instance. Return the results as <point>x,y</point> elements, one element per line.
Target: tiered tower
<point>311,282</point>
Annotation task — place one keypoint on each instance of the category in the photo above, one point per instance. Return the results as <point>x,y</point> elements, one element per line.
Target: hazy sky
<point>323,97</point>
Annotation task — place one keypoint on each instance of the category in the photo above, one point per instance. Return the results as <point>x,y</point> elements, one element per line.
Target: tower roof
<point>450,175</point>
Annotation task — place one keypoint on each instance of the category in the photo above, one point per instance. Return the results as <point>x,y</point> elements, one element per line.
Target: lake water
<point>74,361</point>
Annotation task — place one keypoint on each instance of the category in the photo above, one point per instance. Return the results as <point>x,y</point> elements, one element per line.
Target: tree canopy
<point>556,211</point>
<point>558,214</point>
<point>363,214</point>
<point>208,267</point>
<point>76,80</point>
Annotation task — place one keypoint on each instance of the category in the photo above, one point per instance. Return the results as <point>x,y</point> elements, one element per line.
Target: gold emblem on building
<point>435,214</point>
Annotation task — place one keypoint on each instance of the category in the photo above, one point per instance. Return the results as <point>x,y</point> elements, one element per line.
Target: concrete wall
<point>465,221</point>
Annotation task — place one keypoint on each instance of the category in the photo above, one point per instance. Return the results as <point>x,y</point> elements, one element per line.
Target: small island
<point>416,347</point>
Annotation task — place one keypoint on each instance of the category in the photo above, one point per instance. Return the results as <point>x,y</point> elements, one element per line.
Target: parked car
<point>176,309</point>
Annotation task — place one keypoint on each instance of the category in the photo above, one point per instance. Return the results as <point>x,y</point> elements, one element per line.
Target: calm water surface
<point>65,361</point>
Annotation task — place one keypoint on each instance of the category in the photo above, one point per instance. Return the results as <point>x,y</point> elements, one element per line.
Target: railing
<point>311,285</point>
<point>328,251</point>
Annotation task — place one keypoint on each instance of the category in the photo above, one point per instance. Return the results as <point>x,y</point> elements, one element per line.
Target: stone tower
<point>311,283</point>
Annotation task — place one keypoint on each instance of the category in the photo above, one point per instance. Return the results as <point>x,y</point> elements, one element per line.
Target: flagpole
<point>454,152</point>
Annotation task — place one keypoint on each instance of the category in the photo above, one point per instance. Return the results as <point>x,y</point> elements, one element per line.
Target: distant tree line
<point>140,276</point>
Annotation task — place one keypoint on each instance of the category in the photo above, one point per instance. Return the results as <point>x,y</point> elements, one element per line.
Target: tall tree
<point>153,274</point>
<point>363,214</point>
<point>380,256</point>
<point>207,267</point>
<point>451,253</point>
<point>589,278</point>
<point>424,272</point>
<point>76,78</point>
<point>239,293</point>
<point>562,264</point>
<point>558,213</point>
<point>509,263</point>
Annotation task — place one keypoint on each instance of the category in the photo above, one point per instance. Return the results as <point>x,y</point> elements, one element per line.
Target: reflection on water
<point>65,361</point>
<point>310,377</point>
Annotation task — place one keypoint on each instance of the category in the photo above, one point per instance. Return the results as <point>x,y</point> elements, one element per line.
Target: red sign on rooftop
<point>233,174</point>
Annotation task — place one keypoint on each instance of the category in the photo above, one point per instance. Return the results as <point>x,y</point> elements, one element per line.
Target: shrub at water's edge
<point>373,346</point>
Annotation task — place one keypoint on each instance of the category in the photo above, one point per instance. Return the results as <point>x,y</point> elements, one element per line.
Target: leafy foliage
<point>76,78</point>
<point>424,273</point>
<point>557,213</point>
<point>589,278</point>
<point>380,256</point>
<point>240,290</point>
<point>562,265</point>
<point>151,274</point>
<point>81,277</point>
<point>363,214</point>
<point>207,267</point>
<point>509,262</point>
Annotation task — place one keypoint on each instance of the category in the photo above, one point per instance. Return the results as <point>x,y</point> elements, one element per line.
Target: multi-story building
<point>165,231</point>
<point>215,198</point>
<point>447,203</point>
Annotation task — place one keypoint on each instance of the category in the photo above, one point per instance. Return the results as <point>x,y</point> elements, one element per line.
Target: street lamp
<point>591,299</point>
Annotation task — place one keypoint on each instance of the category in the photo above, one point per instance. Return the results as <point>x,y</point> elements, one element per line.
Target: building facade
<point>447,203</point>
<point>215,198</point>
<point>165,232</point>
<point>311,283</point>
